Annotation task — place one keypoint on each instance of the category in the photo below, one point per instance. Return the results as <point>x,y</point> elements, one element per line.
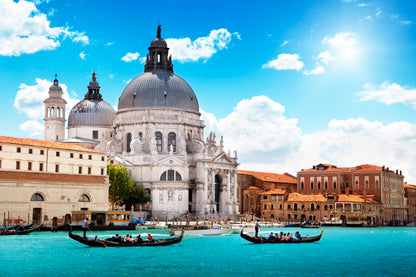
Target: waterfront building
<point>253,183</point>
<point>40,180</point>
<point>385,185</point>
<point>410,193</point>
<point>157,133</point>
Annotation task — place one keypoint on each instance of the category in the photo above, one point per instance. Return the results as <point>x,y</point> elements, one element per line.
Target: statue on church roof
<point>159,30</point>
<point>94,79</point>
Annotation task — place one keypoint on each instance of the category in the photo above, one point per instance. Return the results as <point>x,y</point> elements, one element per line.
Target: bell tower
<point>55,113</point>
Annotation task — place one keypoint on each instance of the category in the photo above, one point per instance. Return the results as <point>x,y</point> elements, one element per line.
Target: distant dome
<point>93,110</point>
<point>55,87</point>
<point>158,86</point>
<point>158,89</point>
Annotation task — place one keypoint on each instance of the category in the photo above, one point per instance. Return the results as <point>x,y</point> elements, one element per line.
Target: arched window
<point>128,141</point>
<point>172,141</point>
<point>170,175</point>
<point>312,207</point>
<point>295,206</point>
<point>158,136</point>
<point>84,198</point>
<point>37,197</point>
<point>319,185</point>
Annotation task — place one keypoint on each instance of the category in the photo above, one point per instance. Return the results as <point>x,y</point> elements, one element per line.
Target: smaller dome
<point>158,42</point>
<point>91,112</point>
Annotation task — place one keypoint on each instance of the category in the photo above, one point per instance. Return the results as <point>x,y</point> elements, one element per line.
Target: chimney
<point>347,191</point>
<point>397,172</point>
<point>400,172</point>
<point>382,169</point>
<point>313,167</point>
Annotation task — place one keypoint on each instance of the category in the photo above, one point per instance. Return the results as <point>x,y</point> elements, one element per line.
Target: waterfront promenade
<point>383,251</point>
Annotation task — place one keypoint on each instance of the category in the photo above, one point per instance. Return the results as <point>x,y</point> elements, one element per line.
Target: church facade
<point>157,133</point>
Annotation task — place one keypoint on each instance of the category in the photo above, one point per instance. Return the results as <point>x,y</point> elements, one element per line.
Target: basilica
<point>157,133</point>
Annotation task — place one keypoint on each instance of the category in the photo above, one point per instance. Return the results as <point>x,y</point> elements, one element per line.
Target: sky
<point>288,84</point>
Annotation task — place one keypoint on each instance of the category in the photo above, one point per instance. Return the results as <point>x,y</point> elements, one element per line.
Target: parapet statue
<point>159,30</point>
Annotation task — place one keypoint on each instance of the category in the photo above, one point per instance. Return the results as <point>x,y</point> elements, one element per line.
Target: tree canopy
<point>123,191</point>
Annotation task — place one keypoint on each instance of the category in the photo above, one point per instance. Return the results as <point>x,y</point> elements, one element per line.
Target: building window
<point>80,170</point>
<point>0,163</point>
<point>158,136</point>
<point>84,198</point>
<point>128,148</point>
<point>41,167</point>
<point>172,141</point>
<point>311,185</point>
<point>89,170</point>
<point>57,154</point>
<point>94,134</point>
<point>288,207</point>
<point>37,197</point>
<point>264,197</point>
<point>377,187</point>
<point>171,175</point>
<point>295,207</point>
<point>335,185</point>
<point>29,166</point>
<point>265,207</point>
<point>367,186</point>
<point>71,155</point>
<point>326,185</point>
<point>80,156</point>
<point>272,207</point>
<point>301,185</point>
<point>1,149</point>
<point>280,207</point>
<point>17,164</point>
<point>102,158</point>
<point>57,168</point>
<point>325,207</point>
<point>330,207</point>
<point>42,152</point>
<point>319,185</point>
<point>18,150</point>
<point>102,171</point>
<point>30,151</point>
<point>89,157</point>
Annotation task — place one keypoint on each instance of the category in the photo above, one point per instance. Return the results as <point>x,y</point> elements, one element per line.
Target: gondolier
<point>85,226</point>
<point>256,227</point>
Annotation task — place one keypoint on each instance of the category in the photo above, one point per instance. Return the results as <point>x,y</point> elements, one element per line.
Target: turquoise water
<point>341,252</point>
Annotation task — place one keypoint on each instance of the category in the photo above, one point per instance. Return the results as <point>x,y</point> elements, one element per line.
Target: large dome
<point>158,89</point>
<point>93,110</point>
<point>90,112</point>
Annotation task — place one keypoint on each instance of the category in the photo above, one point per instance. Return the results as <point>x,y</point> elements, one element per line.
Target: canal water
<point>385,251</point>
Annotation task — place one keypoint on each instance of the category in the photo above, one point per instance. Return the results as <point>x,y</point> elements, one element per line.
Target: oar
<point>97,237</point>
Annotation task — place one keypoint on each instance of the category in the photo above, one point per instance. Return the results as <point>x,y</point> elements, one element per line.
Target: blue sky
<point>289,84</point>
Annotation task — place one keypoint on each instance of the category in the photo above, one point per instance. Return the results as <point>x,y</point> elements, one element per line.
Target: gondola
<point>261,240</point>
<point>10,232</point>
<point>96,242</point>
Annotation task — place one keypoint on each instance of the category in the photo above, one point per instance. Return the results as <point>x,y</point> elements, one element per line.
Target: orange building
<point>410,193</point>
<point>253,183</point>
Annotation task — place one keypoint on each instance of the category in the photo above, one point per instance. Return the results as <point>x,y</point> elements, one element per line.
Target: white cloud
<point>284,43</point>
<point>285,62</point>
<point>388,94</point>
<point>362,5</point>
<point>82,56</point>
<point>318,70</point>
<point>378,12</point>
<point>142,60</point>
<point>24,30</point>
<point>35,128</point>
<point>326,57</point>
<point>185,50</point>
<point>341,40</point>
<point>129,57</point>
<point>268,141</point>
<point>29,100</point>
<point>406,22</point>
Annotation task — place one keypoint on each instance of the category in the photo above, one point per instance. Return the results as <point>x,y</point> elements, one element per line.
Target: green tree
<point>121,185</point>
<point>138,195</point>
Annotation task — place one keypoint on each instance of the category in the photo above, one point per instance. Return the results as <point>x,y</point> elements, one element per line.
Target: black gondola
<point>11,232</point>
<point>96,242</point>
<point>261,240</point>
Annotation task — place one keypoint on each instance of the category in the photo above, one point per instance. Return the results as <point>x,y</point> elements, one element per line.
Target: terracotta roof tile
<point>44,143</point>
<point>252,187</point>
<point>294,196</point>
<point>270,177</point>
<point>274,191</point>
<point>358,198</point>
<point>406,185</point>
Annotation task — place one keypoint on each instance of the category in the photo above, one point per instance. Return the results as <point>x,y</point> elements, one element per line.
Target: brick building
<point>410,193</point>
<point>253,183</point>
<point>385,186</point>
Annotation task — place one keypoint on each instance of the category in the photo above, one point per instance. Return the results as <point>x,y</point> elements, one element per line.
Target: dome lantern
<point>158,59</point>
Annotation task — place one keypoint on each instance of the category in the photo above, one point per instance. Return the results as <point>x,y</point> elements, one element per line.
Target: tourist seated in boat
<point>150,238</point>
<point>116,238</point>
<point>289,236</point>
<point>276,236</point>
<point>297,236</point>
<point>271,236</point>
<point>138,239</point>
<point>128,239</point>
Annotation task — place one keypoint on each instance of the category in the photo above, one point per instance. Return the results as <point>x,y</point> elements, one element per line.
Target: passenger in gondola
<point>150,238</point>
<point>138,239</point>
<point>289,236</point>
<point>297,236</point>
<point>271,236</point>
<point>276,236</point>
<point>116,238</point>
<point>128,239</point>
